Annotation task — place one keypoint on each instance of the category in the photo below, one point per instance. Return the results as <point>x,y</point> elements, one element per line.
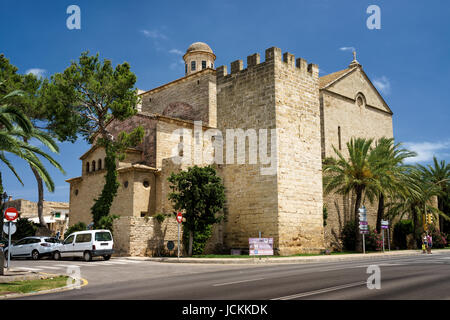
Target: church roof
<point>328,79</point>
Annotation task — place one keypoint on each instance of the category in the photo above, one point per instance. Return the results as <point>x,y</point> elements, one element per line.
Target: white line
<point>29,269</point>
<point>51,268</point>
<point>127,261</point>
<point>66,265</point>
<point>311,293</point>
<point>227,283</point>
<point>113,262</point>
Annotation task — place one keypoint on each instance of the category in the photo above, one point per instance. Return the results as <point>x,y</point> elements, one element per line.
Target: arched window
<point>99,164</point>
<point>93,165</point>
<point>360,100</point>
<point>87,166</point>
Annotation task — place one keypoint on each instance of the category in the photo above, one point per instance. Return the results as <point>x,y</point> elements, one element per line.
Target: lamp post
<point>4,197</point>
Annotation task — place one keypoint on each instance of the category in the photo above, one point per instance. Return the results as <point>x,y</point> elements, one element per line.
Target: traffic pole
<point>389,240</point>
<point>364,244</point>
<point>9,244</point>
<point>178,239</point>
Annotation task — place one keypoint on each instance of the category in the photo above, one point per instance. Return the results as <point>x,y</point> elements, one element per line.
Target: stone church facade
<point>301,114</point>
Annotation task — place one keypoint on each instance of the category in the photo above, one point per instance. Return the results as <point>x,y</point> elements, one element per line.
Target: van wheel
<point>107,257</point>
<point>87,256</point>
<point>35,255</point>
<point>57,256</point>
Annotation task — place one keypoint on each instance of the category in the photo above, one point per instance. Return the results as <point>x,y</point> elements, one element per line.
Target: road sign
<point>363,223</point>
<point>384,224</point>
<point>11,214</point>
<point>179,217</point>
<point>260,246</point>
<point>6,228</point>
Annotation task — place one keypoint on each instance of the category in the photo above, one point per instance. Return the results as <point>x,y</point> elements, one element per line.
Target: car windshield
<point>103,236</point>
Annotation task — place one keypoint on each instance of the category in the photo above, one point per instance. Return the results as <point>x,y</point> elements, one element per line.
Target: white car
<point>86,244</point>
<point>34,247</point>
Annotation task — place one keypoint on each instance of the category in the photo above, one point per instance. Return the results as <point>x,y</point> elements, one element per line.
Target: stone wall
<point>136,236</point>
<point>246,100</point>
<point>189,98</point>
<point>300,218</point>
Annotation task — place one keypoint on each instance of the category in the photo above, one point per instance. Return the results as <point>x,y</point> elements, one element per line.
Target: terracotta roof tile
<point>327,79</point>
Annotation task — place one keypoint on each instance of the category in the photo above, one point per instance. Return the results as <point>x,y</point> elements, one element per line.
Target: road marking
<point>66,265</point>
<point>128,261</point>
<point>311,293</point>
<point>51,268</point>
<point>29,269</point>
<point>113,262</point>
<point>228,283</point>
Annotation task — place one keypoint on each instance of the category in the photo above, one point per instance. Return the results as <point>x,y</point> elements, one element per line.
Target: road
<point>402,277</point>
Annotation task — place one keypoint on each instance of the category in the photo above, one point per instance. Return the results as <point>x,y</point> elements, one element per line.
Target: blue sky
<point>408,59</point>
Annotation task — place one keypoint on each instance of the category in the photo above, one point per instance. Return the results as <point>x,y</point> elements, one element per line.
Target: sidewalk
<point>280,260</point>
<point>21,275</point>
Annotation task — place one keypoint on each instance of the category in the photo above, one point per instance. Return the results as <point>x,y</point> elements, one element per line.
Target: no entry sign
<point>11,214</point>
<point>179,217</point>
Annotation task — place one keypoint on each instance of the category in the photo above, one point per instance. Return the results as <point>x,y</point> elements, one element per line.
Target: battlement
<point>272,55</point>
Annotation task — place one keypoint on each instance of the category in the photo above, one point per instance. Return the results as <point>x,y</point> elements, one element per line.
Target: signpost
<point>179,220</point>
<point>260,246</point>
<point>363,225</point>
<point>11,214</point>
<point>385,225</point>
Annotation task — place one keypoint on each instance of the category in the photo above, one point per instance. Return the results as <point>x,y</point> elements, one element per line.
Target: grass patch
<point>248,256</point>
<point>33,285</point>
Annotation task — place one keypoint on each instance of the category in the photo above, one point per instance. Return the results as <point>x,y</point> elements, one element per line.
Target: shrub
<point>106,222</point>
<point>160,217</point>
<point>439,238</point>
<point>348,235</point>
<point>401,230</point>
<point>80,226</point>
<point>374,241</point>
<point>25,228</point>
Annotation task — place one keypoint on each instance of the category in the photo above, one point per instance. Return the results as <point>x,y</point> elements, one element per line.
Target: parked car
<point>86,244</point>
<point>34,247</point>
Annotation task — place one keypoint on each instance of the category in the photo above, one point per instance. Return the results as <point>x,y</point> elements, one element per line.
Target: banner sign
<point>260,246</point>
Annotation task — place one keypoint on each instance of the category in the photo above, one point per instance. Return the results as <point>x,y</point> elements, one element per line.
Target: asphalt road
<point>402,277</point>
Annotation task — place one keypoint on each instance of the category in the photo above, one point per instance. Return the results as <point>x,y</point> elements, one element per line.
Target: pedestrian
<point>424,242</point>
<point>430,243</point>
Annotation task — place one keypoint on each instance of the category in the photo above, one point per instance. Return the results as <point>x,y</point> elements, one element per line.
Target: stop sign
<point>179,217</point>
<point>11,214</point>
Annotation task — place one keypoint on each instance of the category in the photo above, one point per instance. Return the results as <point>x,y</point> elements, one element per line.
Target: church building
<point>288,119</point>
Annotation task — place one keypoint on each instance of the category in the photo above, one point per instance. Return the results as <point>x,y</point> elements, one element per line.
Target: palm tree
<point>15,125</point>
<point>440,176</point>
<point>416,200</point>
<point>352,175</point>
<point>387,159</point>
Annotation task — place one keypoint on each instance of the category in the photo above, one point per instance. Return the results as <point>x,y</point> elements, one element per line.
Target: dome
<point>199,46</point>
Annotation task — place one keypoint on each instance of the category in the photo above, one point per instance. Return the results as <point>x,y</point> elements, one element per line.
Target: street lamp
<point>4,197</point>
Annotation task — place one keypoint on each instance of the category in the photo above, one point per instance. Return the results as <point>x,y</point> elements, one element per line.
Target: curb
<point>54,290</point>
<point>281,260</point>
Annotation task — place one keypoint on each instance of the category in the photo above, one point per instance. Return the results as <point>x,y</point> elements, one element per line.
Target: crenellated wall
<point>286,205</point>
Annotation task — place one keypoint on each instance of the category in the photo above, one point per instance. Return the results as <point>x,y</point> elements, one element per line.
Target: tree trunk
<point>191,240</point>
<point>380,211</point>
<point>441,208</point>
<point>40,204</point>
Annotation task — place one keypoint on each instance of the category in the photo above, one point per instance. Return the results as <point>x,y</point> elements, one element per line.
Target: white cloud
<point>176,51</point>
<point>382,84</point>
<point>347,49</point>
<point>153,34</point>
<point>426,150</point>
<point>36,71</point>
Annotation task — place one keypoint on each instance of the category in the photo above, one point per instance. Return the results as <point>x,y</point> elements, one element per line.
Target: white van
<point>86,244</point>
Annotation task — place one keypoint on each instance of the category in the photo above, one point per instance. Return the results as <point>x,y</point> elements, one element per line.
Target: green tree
<point>201,194</point>
<point>439,175</point>
<point>30,103</point>
<point>387,160</point>
<point>353,175</point>
<point>90,94</point>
